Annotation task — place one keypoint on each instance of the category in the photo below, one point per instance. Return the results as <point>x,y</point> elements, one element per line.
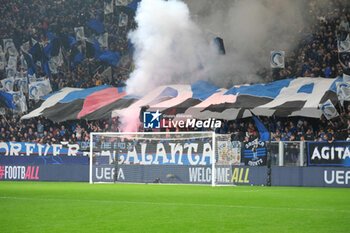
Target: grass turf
<point>81,207</point>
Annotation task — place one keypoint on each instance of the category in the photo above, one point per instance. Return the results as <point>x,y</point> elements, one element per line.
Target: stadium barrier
<point>45,172</point>
<point>238,175</point>
<point>318,164</point>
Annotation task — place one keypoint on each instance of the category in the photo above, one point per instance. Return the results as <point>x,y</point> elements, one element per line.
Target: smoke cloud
<point>252,28</point>
<point>173,40</point>
<point>169,47</point>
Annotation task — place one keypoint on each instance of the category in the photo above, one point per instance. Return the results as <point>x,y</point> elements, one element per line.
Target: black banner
<point>254,153</point>
<point>328,154</point>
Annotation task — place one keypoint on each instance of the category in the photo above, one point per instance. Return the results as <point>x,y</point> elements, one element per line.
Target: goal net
<point>162,157</point>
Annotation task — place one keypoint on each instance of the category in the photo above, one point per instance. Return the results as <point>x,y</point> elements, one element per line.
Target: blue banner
<point>31,148</point>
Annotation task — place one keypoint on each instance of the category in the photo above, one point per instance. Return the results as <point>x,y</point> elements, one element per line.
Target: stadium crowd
<point>317,53</point>
<point>315,56</point>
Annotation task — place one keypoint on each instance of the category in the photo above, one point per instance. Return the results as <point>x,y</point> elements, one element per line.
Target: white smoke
<point>173,40</point>
<point>169,47</point>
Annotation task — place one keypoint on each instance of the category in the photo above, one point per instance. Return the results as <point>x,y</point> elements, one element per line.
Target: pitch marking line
<point>175,204</point>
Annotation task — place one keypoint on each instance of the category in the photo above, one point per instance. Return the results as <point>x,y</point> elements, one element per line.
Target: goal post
<point>158,157</point>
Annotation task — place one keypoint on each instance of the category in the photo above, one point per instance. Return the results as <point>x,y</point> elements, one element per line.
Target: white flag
<point>328,110</point>
<point>19,100</point>
<point>343,92</point>
<point>122,2</point>
<point>7,43</point>
<point>23,63</point>
<point>23,104</point>
<point>55,62</point>
<point>18,74</point>
<point>9,47</point>
<point>12,62</point>
<point>344,46</point>
<point>79,33</point>
<point>346,78</point>
<point>108,7</point>
<point>10,72</point>
<point>31,78</point>
<point>2,61</point>
<point>277,59</point>
<point>39,89</point>
<point>52,66</point>
<point>343,89</point>
<point>123,19</point>
<point>7,84</point>
<point>103,40</point>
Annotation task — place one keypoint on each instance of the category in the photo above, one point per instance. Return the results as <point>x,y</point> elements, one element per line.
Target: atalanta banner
<point>328,154</point>
<point>165,152</point>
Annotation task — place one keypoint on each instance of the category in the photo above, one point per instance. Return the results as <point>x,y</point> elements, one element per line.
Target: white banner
<point>25,46</point>
<point>344,46</point>
<point>123,19</point>
<point>108,7</point>
<point>39,89</point>
<point>55,62</point>
<point>23,63</point>
<point>22,83</point>
<point>277,59</point>
<point>79,33</point>
<point>52,67</point>
<point>2,61</point>
<point>229,153</point>
<point>328,110</point>
<point>9,47</point>
<point>12,62</point>
<point>103,40</point>
<point>31,78</point>
<point>7,84</point>
<point>19,100</point>
<point>10,72</point>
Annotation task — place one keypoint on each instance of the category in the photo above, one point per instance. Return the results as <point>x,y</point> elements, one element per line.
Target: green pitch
<point>81,207</point>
